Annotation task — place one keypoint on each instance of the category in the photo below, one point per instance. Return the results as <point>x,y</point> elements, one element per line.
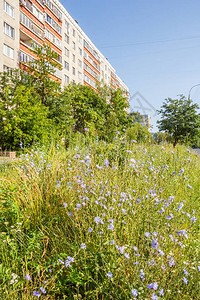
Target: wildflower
<point>67,264</point>
<point>58,184</point>
<point>147,234</point>
<point>163,267</point>
<point>134,292</point>
<point>185,271</point>
<point>65,205</point>
<point>112,242</point>
<point>135,248</point>
<point>153,286</point>
<point>198,268</point>
<point>86,129</point>
<point>50,271</point>
<point>36,293</point>
<point>83,246</point>
<point>154,244</point>
<point>126,255</point>
<point>121,249</point>
<point>111,227</point>
<point>185,280</point>
<point>154,297</point>
<point>194,219</point>
<point>106,162</point>
<point>161,292</point>
<point>110,275</point>
<point>60,261</point>
<point>70,214</point>
<point>161,252</point>
<point>71,259</point>
<point>98,220</point>
<point>183,232</point>
<point>28,277</point>
<point>90,229</point>
<point>43,290</point>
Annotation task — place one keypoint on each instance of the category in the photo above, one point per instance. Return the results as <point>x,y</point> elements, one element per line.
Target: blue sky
<point>154,45</point>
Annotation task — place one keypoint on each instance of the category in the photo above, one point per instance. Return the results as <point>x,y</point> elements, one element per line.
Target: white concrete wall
<point>5,39</point>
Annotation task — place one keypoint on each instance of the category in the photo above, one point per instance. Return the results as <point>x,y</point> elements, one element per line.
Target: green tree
<point>138,133</point>
<point>180,119</point>
<point>87,107</point>
<point>23,118</point>
<point>41,71</point>
<point>119,106</point>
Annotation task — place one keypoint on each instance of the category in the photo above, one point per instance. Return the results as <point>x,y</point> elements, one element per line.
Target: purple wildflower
<point>43,290</point>
<point>83,246</point>
<point>36,293</point>
<point>154,244</point>
<point>28,277</point>
<point>147,234</point>
<point>134,292</point>
<point>153,286</point>
<point>154,297</point>
<point>110,275</point>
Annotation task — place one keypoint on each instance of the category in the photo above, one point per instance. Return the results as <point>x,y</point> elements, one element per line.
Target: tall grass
<point>101,221</point>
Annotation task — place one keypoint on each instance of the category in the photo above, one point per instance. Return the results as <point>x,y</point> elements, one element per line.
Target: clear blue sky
<point>154,45</point>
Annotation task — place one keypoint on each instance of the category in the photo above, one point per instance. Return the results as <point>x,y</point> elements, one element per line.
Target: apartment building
<point>25,23</point>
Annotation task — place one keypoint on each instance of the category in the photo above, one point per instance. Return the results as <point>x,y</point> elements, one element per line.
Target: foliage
<point>70,230</point>
<point>162,137</point>
<point>41,71</point>
<point>180,119</point>
<point>87,107</point>
<point>138,133</point>
<point>23,119</point>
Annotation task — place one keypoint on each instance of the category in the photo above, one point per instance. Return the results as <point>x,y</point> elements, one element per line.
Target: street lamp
<point>191,90</point>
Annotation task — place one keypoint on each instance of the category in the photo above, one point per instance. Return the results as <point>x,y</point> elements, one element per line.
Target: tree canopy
<point>179,118</point>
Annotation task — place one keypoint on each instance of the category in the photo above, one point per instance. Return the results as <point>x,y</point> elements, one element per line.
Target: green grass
<point>49,200</point>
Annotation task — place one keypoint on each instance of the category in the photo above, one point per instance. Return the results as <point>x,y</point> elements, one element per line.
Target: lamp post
<point>191,90</point>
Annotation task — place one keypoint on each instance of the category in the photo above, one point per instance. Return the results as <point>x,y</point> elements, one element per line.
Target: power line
<point>151,42</point>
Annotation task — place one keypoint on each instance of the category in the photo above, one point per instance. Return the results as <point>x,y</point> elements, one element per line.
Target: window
<point>67,26</point>
<point>66,65</point>
<point>37,13</point>
<point>7,69</point>
<point>73,45</point>
<point>105,76</point>
<point>80,63</point>
<point>53,7</point>
<point>8,51</point>
<point>73,58</point>
<point>53,24</point>
<point>28,23</point>
<point>80,39</point>
<point>66,79</point>
<point>74,33</point>
<point>73,71</point>
<point>79,75</point>
<point>80,51</point>
<point>67,52</point>
<point>24,57</point>
<point>66,38</point>
<point>50,36</point>
<point>105,67</point>
<point>9,30</point>
<point>8,9</point>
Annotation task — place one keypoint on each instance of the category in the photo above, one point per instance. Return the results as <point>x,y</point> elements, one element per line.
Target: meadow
<point>100,221</point>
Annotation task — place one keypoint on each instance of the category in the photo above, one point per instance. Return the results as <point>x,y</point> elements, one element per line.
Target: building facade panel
<point>9,37</point>
<point>48,21</point>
